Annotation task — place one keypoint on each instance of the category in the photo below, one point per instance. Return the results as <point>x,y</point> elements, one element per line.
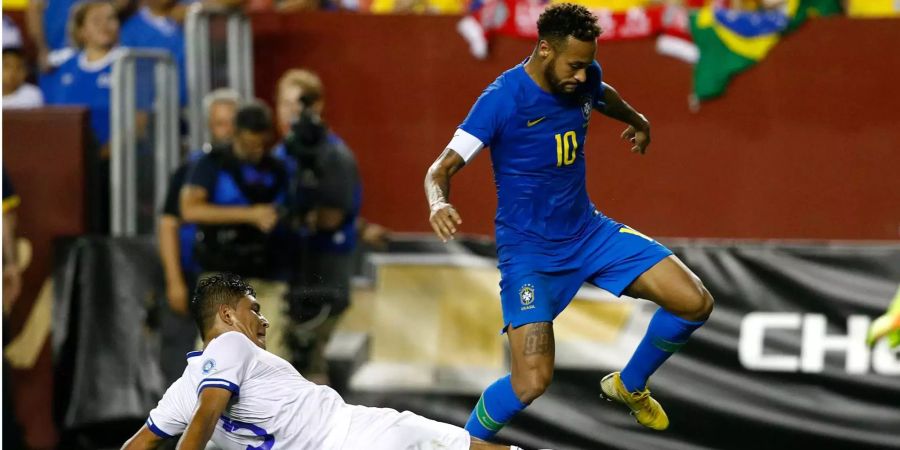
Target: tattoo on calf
<point>539,340</point>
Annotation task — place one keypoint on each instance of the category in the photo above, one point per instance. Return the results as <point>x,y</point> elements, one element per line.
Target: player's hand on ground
<point>444,220</point>
<point>177,294</point>
<point>639,138</point>
<point>264,217</point>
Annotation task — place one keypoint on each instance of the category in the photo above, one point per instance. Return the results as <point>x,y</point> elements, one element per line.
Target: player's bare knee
<point>532,384</point>
<point>700,305</point>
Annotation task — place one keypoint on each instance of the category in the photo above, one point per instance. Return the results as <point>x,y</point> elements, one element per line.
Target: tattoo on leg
<point>538,341</point>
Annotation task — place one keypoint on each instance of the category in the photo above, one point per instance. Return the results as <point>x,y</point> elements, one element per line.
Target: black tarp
<point>105,341</point>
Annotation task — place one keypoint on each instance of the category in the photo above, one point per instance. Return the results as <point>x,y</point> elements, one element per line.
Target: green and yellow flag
<point>731,41</point>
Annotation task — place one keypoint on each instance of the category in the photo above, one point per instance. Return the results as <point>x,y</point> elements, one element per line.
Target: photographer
<point>233,194</point>
<point>176,239</point>
<point>327,197</point>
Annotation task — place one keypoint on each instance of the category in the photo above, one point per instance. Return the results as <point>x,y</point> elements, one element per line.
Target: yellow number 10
<point>566,148</point>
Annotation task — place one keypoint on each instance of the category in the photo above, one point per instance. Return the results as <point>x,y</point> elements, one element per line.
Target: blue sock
<point>497,405</point>
<point>665,335</point>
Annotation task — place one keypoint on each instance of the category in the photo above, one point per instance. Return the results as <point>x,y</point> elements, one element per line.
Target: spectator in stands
<point>232,194</point>
<point>84,79</point>
<point>176,240</point>
<point>17,94</point>
<point>47,22</point>
<point>152,27</point>
<point>333,235</point>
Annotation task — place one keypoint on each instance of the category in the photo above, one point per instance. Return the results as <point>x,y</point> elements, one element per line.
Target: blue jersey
<point>537,148</point>
<point>79,82</point>
<point>144,30</point>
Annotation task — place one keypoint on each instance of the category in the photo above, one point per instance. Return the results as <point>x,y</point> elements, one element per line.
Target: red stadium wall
<point>43,153</point>
<point>804,146</point>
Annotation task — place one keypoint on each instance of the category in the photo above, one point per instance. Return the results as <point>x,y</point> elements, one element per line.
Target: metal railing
<point>203,71</point>
<point>126,129</point>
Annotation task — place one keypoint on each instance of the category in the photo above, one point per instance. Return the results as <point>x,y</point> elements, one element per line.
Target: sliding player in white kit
<point>242,397</point>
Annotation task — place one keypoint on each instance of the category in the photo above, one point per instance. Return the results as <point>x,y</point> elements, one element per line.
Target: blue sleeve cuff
<point>219,383</point>
<point>155,429</point>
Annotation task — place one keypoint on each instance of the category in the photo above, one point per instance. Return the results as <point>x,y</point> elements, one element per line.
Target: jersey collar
<point>100,64</point>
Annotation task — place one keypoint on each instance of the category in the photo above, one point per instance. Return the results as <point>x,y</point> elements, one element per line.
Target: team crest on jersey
<point>104,80</point>
<point>209,366</point>
<point>526,296</point>
<point>586,107</point>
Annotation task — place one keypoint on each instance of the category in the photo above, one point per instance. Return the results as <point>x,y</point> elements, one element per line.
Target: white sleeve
<point>226,362</point>
<point>172,413</point>
<point>465,144</point>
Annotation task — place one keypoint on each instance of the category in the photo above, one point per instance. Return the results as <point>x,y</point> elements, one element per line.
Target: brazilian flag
<point>731,41</point>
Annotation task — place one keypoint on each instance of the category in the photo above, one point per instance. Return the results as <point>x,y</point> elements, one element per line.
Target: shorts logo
<point>526,296</point>
<point>208,366</point>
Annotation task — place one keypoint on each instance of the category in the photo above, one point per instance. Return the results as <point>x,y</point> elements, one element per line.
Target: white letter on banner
<point>753,335</point>
<point>886,361</point>
<point>816,342</point>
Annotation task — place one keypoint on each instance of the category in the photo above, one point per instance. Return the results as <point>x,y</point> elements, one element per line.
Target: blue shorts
<point>538,281</point>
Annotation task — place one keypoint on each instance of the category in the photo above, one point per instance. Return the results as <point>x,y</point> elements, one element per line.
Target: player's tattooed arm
<point>638,131</point>
<point>444,218</point>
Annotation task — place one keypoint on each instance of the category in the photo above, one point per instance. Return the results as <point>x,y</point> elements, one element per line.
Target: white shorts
<point>387,429</point>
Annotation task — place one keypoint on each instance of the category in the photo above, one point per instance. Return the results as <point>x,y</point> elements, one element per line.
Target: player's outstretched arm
<point>212,404</point>
<point>638,131</point>
<point>144,439</point>
<point>444,218</point>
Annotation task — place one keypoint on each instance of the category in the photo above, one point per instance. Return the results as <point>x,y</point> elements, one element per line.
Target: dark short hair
<point>225,288</point>
<point>254,117</point>
<point>562,20</point>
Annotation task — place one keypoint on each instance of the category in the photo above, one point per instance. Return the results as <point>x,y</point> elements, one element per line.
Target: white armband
<point>465,144</point>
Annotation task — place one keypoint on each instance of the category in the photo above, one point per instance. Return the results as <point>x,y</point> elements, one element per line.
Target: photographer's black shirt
<point>232,187</point>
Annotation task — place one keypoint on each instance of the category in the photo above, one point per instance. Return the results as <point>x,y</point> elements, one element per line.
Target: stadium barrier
<point>219,46</point>
<point>144,94</point>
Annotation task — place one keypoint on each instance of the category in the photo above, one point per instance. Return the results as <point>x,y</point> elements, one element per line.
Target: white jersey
<point>272,405</point>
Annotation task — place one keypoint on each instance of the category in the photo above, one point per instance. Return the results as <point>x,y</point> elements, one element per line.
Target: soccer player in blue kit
<point>550,237</point>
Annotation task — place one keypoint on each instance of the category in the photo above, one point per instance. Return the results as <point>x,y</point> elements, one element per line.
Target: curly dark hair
<point>562,20</point>
<point>225,288</point>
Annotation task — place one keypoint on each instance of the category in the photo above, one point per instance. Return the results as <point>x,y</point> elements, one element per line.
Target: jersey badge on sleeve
<point>209,366</point>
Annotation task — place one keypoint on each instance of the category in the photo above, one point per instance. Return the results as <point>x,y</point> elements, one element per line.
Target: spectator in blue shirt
<point>47,22</point>
<point>85,77</point>
<point>152,27</point>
